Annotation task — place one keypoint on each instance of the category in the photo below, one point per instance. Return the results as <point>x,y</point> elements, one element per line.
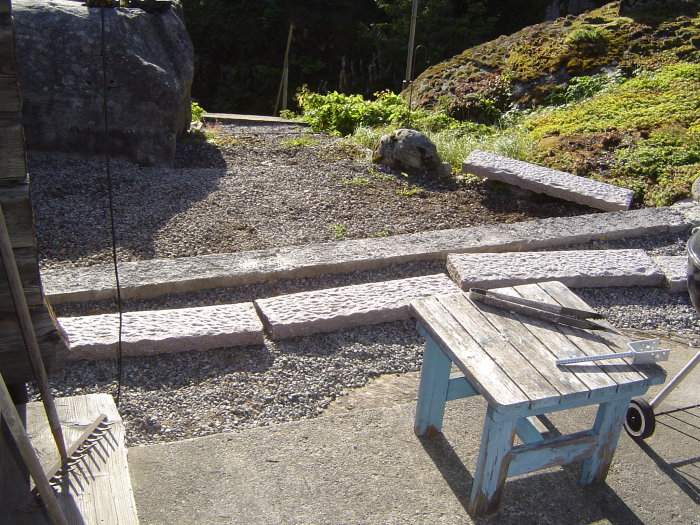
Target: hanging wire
<point>108,163</point>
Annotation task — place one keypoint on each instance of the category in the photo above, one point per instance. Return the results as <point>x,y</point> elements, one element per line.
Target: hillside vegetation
<point>614,98</point>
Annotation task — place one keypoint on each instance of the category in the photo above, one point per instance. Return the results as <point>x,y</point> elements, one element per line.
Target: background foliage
<point>350,46</point>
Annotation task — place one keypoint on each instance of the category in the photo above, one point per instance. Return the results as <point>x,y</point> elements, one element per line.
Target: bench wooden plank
<point>536,352</point>
<point>619,370</point>
<point>477,366</point>
<point>495,343</point>
<point>559,346</point>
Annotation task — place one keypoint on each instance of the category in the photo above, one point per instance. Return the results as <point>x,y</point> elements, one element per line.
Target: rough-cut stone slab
<point>337,308</point>
<point>674,268</point>
<point>690,210</point>
<point>578,269</point>
<point>551,182</point>
<point>160,331</point>
<point>155,277</point>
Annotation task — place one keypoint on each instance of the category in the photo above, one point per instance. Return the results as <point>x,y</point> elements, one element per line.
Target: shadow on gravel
<point>70,202</point>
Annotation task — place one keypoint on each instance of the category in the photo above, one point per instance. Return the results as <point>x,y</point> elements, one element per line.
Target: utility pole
<point>411,42</point>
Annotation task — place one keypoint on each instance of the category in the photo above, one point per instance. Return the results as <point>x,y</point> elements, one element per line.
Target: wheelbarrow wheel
<point>640,422</point>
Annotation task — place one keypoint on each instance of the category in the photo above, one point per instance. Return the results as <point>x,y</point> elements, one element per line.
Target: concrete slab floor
<point>367,466</point>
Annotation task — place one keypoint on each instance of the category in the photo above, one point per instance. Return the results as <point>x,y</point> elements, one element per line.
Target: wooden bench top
<point>510,358</point>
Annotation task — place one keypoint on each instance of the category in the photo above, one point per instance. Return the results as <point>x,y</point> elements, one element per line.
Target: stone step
<point>576,269</point>
<point>333,309</point>
<point>551,182</point>
<point>155,277</point>
<point>160,331</point>
<point>674,270</point>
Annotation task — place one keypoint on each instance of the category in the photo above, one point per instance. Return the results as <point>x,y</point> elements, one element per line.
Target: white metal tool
<point>641,352</point>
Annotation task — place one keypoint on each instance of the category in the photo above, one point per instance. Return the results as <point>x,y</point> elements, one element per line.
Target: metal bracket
<point>642,352</point>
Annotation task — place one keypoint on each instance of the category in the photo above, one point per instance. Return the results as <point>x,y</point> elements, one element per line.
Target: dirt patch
<point>254,187</point>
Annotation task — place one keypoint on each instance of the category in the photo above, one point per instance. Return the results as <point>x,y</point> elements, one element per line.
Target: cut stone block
<point>160,331</point>
<point>577,269</point>
<point>674,268</point>
<point>551,182</point>
<point>150,278</point>
<point>333,309</point>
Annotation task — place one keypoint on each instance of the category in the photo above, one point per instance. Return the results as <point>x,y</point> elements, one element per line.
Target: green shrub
<point>667,163</point>
<point>651,100</point>
<point>343,114</point>
<point>197,112</point>
<point>587,35</point>
<point>580,88</point>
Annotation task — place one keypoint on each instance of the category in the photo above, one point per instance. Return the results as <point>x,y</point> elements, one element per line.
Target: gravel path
<point>177,396</point>
<point>262,187</point>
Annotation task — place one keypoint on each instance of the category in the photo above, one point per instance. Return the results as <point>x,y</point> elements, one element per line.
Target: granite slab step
<point>576,269</point>
<point>674,268</point>
<point>551,182</point>
<point>161,331</point>
<point>150,278</point>
<point>333,309</point>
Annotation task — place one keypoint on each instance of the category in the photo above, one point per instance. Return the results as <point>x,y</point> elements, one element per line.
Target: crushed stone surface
<point>293,195</point>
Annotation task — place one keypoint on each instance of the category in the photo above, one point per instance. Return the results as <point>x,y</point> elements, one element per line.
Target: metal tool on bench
<point>547,311</point>
<point>641,352</point>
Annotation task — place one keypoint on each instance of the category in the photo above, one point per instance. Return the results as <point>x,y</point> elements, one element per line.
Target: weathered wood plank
<point>560,346</point>
<point>537,353</point>
<point>492,465</point>
<point>476,320</point>
<point>14,362</point>
<point>599,342</point>
<point>12,159</point>
<point>18,215</point>
<point>432,391</point>
<point>477,366</point>
<point>608,425</point>
<point>459,387</point>
<point>100,492</point>
<point>552,452</point>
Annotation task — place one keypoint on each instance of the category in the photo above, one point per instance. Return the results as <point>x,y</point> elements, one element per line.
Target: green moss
<point>649,101</point>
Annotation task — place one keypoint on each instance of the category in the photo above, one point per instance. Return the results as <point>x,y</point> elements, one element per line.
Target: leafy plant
<point>584,87</point>
<point>197,112</point>
<point>340,230</point>
<point>587,35</point>
<point>409,190</point>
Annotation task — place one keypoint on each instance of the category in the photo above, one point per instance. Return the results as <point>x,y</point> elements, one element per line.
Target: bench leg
<point>492,467</point>
<point>608,425</point>
<point>432,392</point>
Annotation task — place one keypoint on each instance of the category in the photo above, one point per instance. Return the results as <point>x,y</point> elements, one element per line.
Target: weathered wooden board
<point>479,368</point>
<point>14,198</point>
<point>100,490</point>
<point>12,160</point>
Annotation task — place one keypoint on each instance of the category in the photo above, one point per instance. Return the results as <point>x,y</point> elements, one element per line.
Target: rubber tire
<point>640,422</point>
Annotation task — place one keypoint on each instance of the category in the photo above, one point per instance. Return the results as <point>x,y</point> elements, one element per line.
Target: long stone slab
<point>333,309</point>
<point>551,182</point>
<point>674,268</point>
<point>155,277</point>
<point>160,331</point>
<point>578,269</point>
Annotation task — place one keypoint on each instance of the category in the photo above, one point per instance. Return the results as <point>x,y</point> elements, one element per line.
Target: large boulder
<point>408,150</point>
<point>149,67</point>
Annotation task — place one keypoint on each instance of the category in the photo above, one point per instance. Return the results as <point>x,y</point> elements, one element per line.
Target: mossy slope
<point>642,131</point>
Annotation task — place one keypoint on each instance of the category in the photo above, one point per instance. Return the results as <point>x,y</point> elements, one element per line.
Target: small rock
<point>408,150</point>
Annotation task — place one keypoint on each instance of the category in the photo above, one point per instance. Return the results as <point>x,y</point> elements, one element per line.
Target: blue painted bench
<point>510,359</point>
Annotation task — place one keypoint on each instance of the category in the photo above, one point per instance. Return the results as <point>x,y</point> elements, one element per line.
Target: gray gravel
<point>176,396</point>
